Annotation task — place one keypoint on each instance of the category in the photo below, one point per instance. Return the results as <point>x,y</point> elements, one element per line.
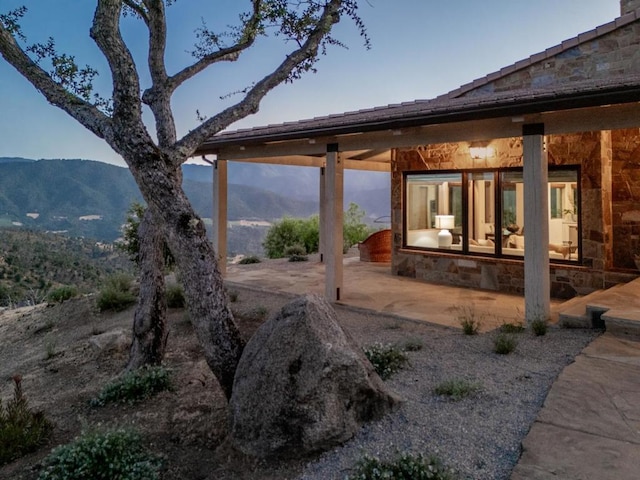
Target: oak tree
<point>155,160</point>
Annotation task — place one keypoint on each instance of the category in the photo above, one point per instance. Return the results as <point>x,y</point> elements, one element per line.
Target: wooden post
<point>334,176</point>
<point>220,213</point>
<point>536,225</point>
<point>322,217</point>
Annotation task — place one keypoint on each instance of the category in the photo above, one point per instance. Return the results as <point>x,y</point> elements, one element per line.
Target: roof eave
<point>503,108</point>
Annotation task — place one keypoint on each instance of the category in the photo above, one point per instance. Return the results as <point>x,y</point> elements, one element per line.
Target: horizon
<point>398,68</point>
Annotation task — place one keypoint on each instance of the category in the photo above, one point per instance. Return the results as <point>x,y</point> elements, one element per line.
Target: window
<point>482,212</point>
<point>431,197</point>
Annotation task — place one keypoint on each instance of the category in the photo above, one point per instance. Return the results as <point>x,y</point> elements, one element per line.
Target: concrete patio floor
<point>371,286</point>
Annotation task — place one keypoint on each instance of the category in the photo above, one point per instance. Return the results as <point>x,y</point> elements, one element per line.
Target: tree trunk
<point>195,258</point>
<point>150,319</point>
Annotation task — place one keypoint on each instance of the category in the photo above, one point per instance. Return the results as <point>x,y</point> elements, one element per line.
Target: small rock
<point>114,340</point>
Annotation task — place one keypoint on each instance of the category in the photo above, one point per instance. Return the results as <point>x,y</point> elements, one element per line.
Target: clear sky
<point>420,49</point>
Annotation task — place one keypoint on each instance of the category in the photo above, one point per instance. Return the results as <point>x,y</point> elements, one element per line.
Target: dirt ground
<point>53,349</point>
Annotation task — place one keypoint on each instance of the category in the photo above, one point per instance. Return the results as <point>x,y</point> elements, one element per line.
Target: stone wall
<point>594,55</point>
<point>607,227</point>
<point>626,196</point>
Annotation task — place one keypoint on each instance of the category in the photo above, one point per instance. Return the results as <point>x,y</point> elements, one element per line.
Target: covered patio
<point>372,287</point>
<point>574,107</point>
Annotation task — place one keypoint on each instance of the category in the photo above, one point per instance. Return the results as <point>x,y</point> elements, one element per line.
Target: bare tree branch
<point>127,107</point>
<point>251,102</point>
<point>158,97</point>
<point>249,33</point>
<point>84,112</point>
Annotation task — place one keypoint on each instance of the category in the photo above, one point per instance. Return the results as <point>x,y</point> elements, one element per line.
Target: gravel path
<point>479,436</point>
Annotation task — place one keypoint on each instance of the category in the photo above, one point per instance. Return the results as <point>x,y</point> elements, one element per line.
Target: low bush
<point>386,359</point>
<point>63,293</point>
<point>249,259</point>
<point>175,296</point>
<point>469,322</point>
<point>116,295</point>
<point>413,345</point>
<point>296,253</point>
<point>504,344</point>
<point>512,328</point>
<point>539,327</point>
<point>115,454</point>
<point>134,386</point>
<point>21,430</point>
<point>456,389</point>
<point>405,467</point>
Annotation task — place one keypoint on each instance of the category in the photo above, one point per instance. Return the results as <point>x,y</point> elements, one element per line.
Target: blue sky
<point>421,48</point>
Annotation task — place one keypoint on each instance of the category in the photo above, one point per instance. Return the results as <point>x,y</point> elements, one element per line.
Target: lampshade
<point>445,221</point>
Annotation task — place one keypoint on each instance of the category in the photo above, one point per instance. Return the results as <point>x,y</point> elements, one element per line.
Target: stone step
<point>616,309</point>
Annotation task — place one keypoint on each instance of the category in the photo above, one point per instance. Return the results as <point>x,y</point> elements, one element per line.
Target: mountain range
<point>90,199</point>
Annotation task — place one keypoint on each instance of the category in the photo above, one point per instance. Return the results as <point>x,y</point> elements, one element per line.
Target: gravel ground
<point>480,436</point>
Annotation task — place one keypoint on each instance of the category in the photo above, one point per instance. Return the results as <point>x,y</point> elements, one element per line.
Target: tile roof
<point>453,107</point>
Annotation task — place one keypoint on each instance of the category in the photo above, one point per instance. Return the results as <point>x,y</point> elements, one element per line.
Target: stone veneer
<point>597,54</point>
<point>610,213</point>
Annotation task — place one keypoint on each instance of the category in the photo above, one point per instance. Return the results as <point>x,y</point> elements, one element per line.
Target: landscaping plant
<point>134,386</point>
<point>405,467</point>
<point>115,454</point>
<point>386,359</point>
<point>21,430</point>
<point>456,389</point>
<point>116,295</point>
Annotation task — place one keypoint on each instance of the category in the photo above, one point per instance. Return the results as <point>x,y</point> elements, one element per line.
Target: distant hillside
<point>370,190</point>
<point>90,199</point>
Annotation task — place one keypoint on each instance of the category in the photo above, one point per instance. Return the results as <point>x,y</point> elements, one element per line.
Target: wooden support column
<point>322,217</point>
<point>334,178</point>
<point>220,213</point>
<point>537,297</point>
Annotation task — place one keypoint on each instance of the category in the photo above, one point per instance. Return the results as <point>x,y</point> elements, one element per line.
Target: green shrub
<point>405,467</point>
<point>512,328</point>
<point>296,253</point>
<point>116,294</point>
<point>115,454</point>
<point>134,386</point>
<point>468,321</point>
<point>249,260</point>
<point>259,313</point>
<point>63,293</point>
<point>504,344</point>
<point>21,430</point>
<point>354,230</point>
<point>539,327</point>
<point>386,359</point>
<point>413,345</point>
<point>175,296</point>
<point>296,249</point>
<point>456,389</point>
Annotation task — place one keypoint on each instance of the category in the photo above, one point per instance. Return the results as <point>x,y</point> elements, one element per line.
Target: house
<point>525,181</point>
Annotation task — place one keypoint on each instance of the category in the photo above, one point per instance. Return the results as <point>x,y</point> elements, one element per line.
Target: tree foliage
<point>290,232</point>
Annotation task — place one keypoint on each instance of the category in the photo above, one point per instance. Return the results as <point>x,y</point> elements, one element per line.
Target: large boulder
<point>303,385</point>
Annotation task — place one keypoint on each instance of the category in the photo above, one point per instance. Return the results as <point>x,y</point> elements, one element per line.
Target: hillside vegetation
<point>33,264</point>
